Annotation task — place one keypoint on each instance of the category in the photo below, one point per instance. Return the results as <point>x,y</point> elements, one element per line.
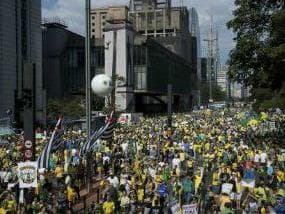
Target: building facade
<point>222,78</point>
<point>100,17</point>
<point>20,48</point>
<point>64,60</point>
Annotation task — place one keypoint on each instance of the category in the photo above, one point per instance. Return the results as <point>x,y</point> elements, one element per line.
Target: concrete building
<point>168,25</point>
<point>100,16</point>
<point>20,48</point>
<point>156,48</point>
<point>64,60</point>
<point>195,32</point>
<point>222,78</point>
<point>147,67</point>
<point>156,19</point>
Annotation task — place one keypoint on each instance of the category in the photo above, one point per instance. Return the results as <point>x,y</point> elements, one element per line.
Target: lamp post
<point>87,70</point>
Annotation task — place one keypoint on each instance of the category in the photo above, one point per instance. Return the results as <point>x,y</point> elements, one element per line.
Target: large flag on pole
<point>104,133</point>
<point>43,160</point>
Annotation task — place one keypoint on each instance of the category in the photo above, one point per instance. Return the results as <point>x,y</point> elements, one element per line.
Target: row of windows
<point>93,17</point>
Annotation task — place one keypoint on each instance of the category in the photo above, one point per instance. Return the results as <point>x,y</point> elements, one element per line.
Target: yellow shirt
<point>11,205</point>
<point>58,172</point>
<point>215,180</point>
<point>223,200</point>
<point>260,193</point>
<point>238,187</point>
<point>108,207</point>
<point>182,156</point>
<point>198,180</point>
<point>3,211</point>
<point>280,176</point>
<point>140,195</point>
<point>70,194</point>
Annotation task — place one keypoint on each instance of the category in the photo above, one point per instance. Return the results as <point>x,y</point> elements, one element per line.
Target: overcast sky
<point>72,12</point>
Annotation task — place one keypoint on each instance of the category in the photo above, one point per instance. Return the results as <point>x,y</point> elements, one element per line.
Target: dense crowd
<point>227,161</point>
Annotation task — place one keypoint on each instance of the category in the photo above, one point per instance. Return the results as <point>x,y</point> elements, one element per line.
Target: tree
<point>258,58</point>
<point>217,93</point>
<point>71,107</point>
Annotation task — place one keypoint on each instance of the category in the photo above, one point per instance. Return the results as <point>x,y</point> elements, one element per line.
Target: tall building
<point>100,16</point>
<point>152,18</point>
<point>168,25</point>
<point>222,78</point>
<point>195,32</point>
<point>20,48</point>
<point>64,60</point>
<point>157,38</point>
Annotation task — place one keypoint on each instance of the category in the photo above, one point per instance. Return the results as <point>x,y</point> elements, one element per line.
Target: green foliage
<point>72,107</point>
<point>217,93</point>
<point>258,58</point>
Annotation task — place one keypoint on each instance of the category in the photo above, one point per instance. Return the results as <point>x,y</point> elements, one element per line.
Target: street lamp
<point>87,70</point>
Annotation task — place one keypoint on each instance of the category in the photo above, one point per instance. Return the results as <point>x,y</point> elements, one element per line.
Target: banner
<point>272,125</point>
<point>227,188</point>
<point>27,174</point>
<point>175,209</point>
<point>190,209</point>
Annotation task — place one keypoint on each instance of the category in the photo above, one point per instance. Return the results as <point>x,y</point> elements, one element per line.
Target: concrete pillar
<point>124,98</point>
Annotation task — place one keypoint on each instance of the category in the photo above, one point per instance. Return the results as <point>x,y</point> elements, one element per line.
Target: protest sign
<point>190,209</point>
<point>227,188</point>
<point>175,209</point>
<point>27,174</point>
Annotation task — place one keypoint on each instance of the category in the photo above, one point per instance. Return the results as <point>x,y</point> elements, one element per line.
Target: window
<point>93,30</point>
<point>93,24</point>
<point>93,17</point>
<point>103,17</point>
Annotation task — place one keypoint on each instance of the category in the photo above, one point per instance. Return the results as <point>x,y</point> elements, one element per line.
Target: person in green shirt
<point>227,209</point>
<point>187,188</point>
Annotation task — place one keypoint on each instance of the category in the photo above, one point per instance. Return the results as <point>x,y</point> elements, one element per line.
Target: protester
<point>228,160</point>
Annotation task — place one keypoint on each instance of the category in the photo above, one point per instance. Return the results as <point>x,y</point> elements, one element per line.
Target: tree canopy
<point>258,60</point>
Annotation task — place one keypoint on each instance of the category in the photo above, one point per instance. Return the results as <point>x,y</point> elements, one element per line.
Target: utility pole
<point>210,64</point>
<point>87,70</point>
<point>217,54</point>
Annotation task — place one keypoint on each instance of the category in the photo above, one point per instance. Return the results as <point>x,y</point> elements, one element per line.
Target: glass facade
<point>156,66</point>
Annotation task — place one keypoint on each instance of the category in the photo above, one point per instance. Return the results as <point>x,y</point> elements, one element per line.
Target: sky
<point>72,13</point>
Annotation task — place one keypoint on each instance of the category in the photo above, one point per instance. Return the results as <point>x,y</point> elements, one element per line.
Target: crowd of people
<point>226,161</point>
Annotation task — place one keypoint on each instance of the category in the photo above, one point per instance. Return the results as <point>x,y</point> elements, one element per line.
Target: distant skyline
<point>72,12</point>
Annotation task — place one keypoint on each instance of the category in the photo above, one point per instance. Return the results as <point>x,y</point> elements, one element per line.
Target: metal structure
<point>87,67</point>
<point>210,59</point>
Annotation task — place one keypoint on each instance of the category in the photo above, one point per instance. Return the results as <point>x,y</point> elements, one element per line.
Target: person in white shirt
<point>256,158</point>
<point>175,162</point>
<point>114,181</point>
<point>263,158</point>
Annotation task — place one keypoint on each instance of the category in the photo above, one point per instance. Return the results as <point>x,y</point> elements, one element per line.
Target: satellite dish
<point>101,85</point>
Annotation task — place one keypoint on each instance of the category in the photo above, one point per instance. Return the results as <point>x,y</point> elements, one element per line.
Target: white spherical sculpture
<point>101,85</point>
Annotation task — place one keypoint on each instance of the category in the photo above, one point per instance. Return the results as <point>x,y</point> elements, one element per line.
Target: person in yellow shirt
<point>280,175</point>
<point>70,194</point>
<point>58,172</point>
<point>109,207</point>
<point>140,194</point>
<point>198,180</point>
<point>224,198</point>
